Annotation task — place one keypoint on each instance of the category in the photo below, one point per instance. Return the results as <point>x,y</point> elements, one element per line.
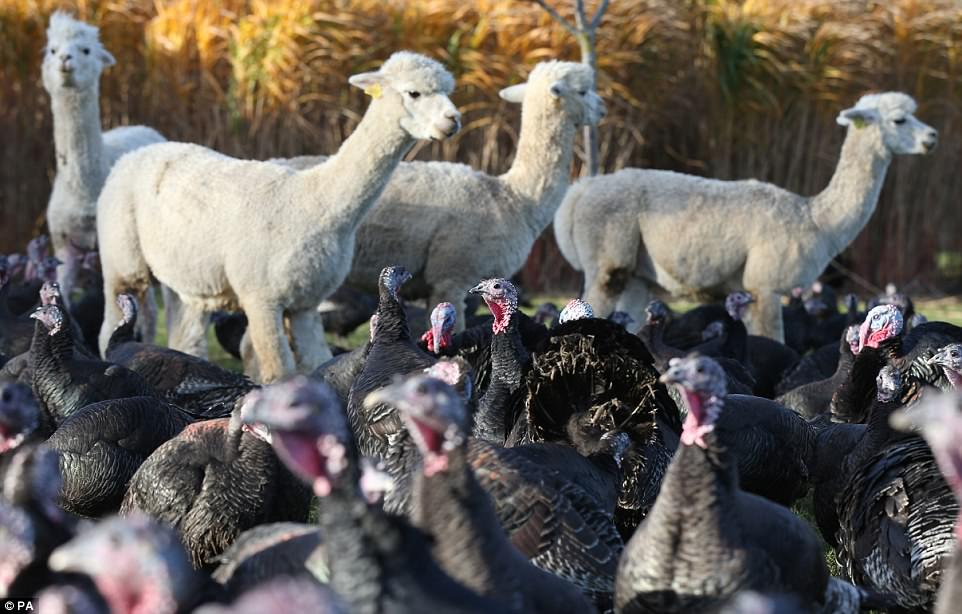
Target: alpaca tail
<point>565,222</point>
<point>124,268</point>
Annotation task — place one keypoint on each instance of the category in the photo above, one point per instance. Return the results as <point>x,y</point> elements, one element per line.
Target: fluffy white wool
<point>689,234</point>
<point>226,233</point>
<point>73,61</point>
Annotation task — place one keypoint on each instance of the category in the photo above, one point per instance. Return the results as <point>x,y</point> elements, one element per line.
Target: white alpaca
<point>450,225</point>
<point>72,63</point>
<point>273,241</point>
<point>688,234</point>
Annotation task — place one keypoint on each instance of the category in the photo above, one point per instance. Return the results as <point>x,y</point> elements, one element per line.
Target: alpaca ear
<point>365,79</point>
<point>107,58</point>
<point>514,94</point>
<point>857,117</point>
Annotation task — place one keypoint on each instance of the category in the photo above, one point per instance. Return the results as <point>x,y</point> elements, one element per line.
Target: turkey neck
<point>508,356</point>
<point>392,322</point>
<point>356,536</point>
<point>542,164</point>
<point>877,433</point>
<point>355,176</point>
<point>844,207</point>
<point>736,339</point>
<point>122,334</point>
<point>854,398</point>
<point>79,143</point>
<point>469,543</point>
<point>695,496</point>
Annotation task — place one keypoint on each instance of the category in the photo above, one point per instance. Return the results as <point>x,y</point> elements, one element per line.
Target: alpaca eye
<point>583,92</point>
<point>414,94</point>
<point>899,121</point>
<point>86,50</point>
<point>53,50</point>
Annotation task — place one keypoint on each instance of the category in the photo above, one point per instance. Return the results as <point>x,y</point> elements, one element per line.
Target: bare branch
<point>557,17</point>
<point>596,20</point>
<point>580,14</point>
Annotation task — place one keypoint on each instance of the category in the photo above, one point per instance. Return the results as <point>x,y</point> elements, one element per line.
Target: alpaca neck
<point>541,169</point>
<point>843,208</point>
<point>353,179</point>
<point>79,143</point>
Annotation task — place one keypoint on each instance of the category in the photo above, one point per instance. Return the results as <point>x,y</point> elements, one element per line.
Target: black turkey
<point>63,380</point>
<point>706,539</point>
<point>595,367</point>
<point>378,428</point>
<point>31,522</point>
<point>377,562</point>
<point>450,505</point>
<point>20,417</point>
<point>724,350</point>
<point>815,398</point>
<point>214,480</point>
<point>15,329</point>
<point>939,421</point>
<point>187,381</point>
<point>896,515</point>
<point>102,445</point>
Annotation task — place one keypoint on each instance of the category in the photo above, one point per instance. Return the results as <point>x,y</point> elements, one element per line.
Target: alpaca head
<point>422,86</point>
<point>569,86</point>
<point>892,115</point>
<point>73,58</point>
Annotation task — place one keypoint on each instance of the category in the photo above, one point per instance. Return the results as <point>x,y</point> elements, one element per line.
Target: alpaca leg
<point>68,270</point>
<point>269,339</point>
<point>189,331</point>
<point>307,340</point>
<point>633,301</point>
<point>112,314</point>
<point>249,358</point>
<point>172,310</point>
<point>765,315</point>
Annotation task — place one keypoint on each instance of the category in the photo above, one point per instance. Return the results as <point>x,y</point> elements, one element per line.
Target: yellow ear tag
<point>858,122</point>
<point>374,91</point>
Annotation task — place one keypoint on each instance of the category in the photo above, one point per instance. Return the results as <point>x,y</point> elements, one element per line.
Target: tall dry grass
<point>722,88</point>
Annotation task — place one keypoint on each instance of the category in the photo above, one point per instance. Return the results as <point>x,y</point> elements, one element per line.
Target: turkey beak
<point>478,289</point>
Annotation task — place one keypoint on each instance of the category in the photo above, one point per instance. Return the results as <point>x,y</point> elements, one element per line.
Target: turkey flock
<point>547,463</point>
